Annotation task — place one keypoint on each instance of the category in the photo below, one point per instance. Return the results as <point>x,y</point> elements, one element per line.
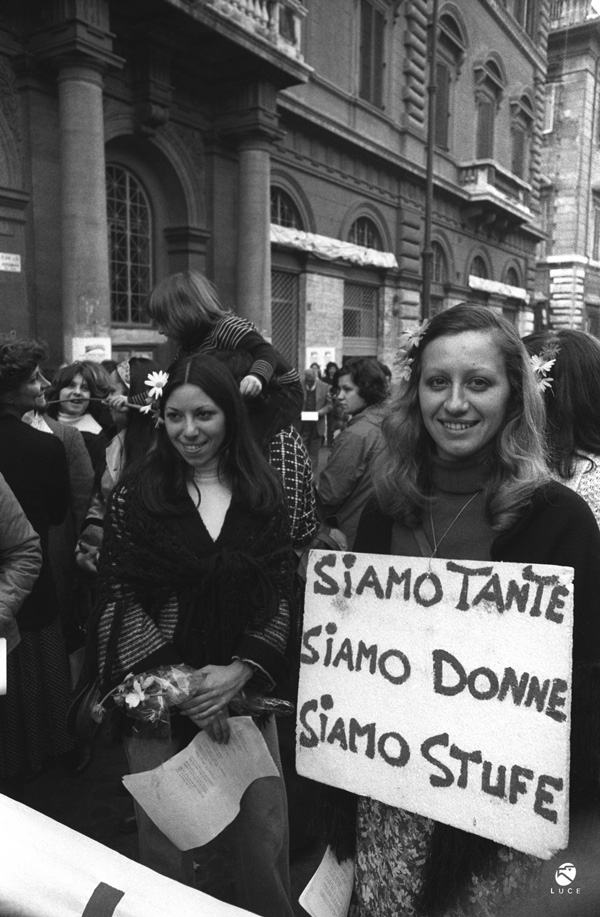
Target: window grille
<point>285,303</point>
<point>129,247</point>
<point>360,319</point>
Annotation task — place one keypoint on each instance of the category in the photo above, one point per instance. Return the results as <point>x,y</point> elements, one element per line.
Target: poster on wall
<point>91,348</point>
<point>320,355</point>
<point>441,687</point>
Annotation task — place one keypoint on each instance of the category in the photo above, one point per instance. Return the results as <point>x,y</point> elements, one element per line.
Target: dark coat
<point>34,465</point>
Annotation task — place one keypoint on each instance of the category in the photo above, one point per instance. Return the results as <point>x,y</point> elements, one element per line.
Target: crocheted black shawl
<point>235,584</point>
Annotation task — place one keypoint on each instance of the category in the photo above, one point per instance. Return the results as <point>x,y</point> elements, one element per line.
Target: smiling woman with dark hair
<point>197,568</point>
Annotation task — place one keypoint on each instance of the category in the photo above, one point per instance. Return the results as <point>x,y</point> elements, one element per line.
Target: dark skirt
<point>34,711</point>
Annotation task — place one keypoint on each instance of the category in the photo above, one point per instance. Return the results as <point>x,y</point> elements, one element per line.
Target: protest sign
<point>441,687</point>
<point>49,870</point>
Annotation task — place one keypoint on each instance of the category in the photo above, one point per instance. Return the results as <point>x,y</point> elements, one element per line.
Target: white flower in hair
<point>540,363</point>
<point>156,381</point>
<point>415,335</point>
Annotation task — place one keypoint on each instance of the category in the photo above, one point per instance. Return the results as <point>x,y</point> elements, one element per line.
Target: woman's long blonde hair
<point>517,465</point>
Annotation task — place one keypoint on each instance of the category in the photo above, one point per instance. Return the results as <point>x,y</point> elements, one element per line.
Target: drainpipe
<point>427,253</point>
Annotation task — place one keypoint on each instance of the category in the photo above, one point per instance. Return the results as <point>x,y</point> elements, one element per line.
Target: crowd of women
<point>161,519</point>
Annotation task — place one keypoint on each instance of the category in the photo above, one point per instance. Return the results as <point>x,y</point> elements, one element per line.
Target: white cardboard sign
<point>49,870</point>
<point>442,687</point>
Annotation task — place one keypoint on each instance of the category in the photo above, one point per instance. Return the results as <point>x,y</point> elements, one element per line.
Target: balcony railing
<point>486,179</point>
<point>277,21</point>
<point>570,12</point>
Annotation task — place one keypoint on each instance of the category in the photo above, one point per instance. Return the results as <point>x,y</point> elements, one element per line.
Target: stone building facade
<point>568,280</point>
<point>281,147</point>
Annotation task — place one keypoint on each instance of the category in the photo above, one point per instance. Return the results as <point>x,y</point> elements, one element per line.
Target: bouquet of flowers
<point>149,696</point>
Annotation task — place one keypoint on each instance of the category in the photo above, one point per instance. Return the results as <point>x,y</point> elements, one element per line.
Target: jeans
<point>256,842</point>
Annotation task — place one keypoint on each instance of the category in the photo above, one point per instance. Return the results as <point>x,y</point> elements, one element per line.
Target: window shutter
<point>485,129</point>
<point>442,105</point>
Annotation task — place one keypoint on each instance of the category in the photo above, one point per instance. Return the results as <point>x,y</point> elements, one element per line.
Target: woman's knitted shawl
<point>207,600</point>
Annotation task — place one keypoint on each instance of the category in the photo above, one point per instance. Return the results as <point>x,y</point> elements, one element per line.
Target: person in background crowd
<point>463,475</point>
<point>317,400</point>
<point>62,538</point>
<point>35,468</point>
<point>20,565</point>
<point>186,308</point>
<point>284,451</point>
<point>346,482</point>
<point>109,366</point>
<point>568,367</point>
<point>316,369</point>
<point>135,437</point>
<point>75,399</point>
<point>387,373</point>
<point>335,418</point>
<point>197,568</point>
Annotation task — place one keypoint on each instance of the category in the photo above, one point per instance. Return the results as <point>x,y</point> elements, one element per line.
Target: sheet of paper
<point>196,794</point>
<point>329,891</point>
<point>309,415</point>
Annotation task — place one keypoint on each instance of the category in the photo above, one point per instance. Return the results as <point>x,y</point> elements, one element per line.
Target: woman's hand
<point>219,730</point>
<point>250,386</point>
<point>87,557</point>
<point>116,402</point>
<point>208,706</point>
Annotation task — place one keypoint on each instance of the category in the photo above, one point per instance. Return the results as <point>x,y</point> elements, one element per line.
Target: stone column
<point>254,245</point>
<point>85,278</point>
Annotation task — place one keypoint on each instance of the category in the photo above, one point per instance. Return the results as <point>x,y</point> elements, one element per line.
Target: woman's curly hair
<point>93,374</point>
<point>18,359</point>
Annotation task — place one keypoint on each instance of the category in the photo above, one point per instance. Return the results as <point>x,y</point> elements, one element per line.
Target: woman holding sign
<point>197,568</point>
<point>464,476</point>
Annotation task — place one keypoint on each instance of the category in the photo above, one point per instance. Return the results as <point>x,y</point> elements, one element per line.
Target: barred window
<point>360,319</point>
<point>284,211</point>
<point>285,307</point>
<point>129,247</point>
<point>364,232</point>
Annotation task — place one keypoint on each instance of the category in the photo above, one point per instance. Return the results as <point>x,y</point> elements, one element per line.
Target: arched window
<point>479,268</point>
<point>284,211</point>
<point>512,277</point>
<point>440,264</point>
<point>451,53</point>
<point>489,82</point>
<point>364,232</point>
<point>129,247</point>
